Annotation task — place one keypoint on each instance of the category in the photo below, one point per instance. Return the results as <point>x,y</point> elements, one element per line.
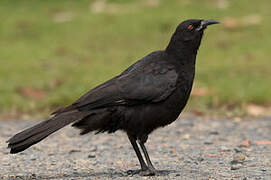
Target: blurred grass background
<point>51,52</point>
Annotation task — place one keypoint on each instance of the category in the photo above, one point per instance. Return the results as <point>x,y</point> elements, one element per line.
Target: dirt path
<point>191,148</point>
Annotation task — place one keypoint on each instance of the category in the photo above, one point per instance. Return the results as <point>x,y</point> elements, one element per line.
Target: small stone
<point>91,156</point>
<point>224,148</point>
<point>200,159</point>
<point>238,150</point>
<point>208,142</point>
<point>263,169</point>
<point>177,175</point>
<point>236,166</point>
<point>245,143</point>
<point>186,136</point>
<point>214,133</point>
<point>94,149</point>
<point>33,175</point>
<point>238,158</point>
<point>12,176</point>
<point>74,150</point>
<point>253,165</point>
<point>172,151</point>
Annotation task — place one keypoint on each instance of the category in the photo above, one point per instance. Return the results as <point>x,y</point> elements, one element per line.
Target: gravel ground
<point>190,148</point>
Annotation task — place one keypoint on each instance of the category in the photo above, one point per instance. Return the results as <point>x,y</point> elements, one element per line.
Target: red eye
<point>190,27</point>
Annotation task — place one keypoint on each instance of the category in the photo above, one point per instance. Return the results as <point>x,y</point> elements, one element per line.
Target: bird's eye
<point>190,27</point>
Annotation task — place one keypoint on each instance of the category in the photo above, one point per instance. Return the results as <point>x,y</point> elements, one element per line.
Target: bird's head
<point>188,34</point>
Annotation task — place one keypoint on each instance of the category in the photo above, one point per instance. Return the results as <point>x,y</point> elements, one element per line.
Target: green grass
<point>89,48</point>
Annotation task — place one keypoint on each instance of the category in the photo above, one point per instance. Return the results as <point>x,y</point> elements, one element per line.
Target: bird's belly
<point>143,119</point>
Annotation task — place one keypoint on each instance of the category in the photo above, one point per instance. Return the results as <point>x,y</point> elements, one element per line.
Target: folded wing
<point>145,81</point>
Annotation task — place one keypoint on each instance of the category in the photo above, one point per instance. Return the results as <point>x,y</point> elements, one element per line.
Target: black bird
<point>149,94</point>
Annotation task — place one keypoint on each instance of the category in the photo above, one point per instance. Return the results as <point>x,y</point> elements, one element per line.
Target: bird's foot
<point>148,172</point>
<point>143,172</point>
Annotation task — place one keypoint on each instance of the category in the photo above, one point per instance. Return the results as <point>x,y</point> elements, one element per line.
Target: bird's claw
<point>143,172</point>
<point>148,172</point>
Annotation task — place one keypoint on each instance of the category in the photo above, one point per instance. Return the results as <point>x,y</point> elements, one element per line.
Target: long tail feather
<point>35,134</point>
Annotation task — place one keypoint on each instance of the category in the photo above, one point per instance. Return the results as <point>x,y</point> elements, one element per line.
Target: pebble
<point>74,151</point>
<point>236,166</point>
<point>208,142</point>
<point>200,159</point>
<point>237,149</point>
<point>91,156</point>
<point>214,133</point>
<point>238,158</point>
<point>224,148</point>
<point>94,149</point>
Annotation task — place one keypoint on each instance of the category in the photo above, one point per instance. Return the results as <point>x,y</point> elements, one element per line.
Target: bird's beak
<point>209,22</point>
<point>205,23</point>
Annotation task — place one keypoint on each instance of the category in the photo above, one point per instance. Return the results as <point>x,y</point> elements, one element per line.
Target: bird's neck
<point>183,50</point>
<point>184,55</point>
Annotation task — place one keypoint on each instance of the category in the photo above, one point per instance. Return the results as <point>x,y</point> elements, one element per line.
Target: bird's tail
<point>35,134</point>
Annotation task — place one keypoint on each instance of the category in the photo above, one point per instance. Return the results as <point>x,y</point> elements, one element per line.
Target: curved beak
<point>205,23</point>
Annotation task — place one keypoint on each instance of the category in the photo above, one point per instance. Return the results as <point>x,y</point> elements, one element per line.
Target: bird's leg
<point>151,167</point>
<point>143,165</point>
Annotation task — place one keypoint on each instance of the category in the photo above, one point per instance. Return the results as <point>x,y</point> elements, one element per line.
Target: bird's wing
<point>152,84</point>
<point>141,83</point>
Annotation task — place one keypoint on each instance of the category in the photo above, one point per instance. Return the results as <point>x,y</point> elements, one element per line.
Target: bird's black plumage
<point>149,94</point>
